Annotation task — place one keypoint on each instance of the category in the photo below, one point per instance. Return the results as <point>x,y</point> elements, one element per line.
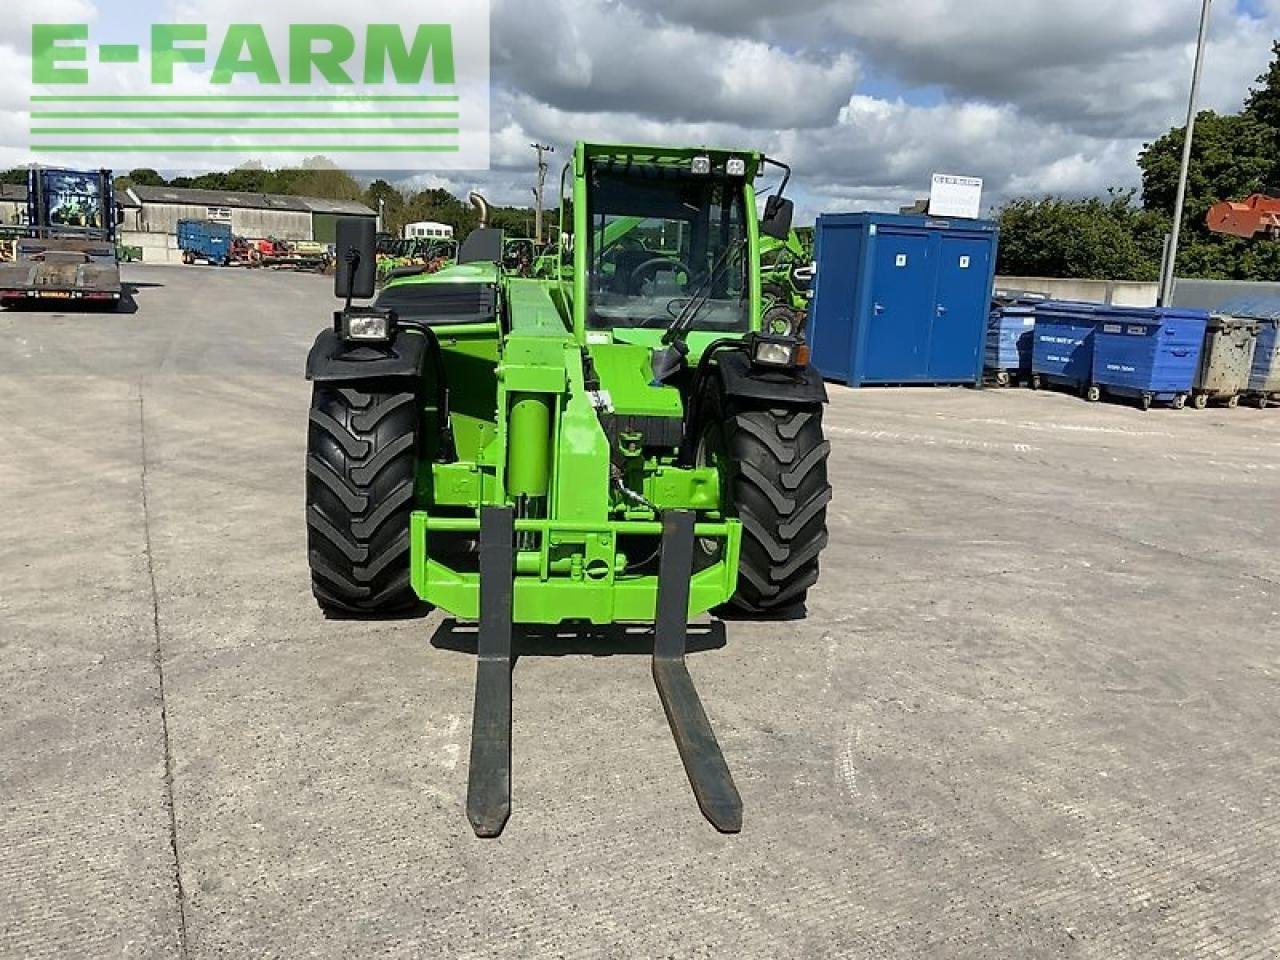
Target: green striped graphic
<point>246,148</point>
<point>225,115</point>
<point>233,98</point>
<point>243,131</point>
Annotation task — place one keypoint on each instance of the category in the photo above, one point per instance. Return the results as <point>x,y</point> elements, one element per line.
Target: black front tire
<point>361,464</point>
<point>774,479</point>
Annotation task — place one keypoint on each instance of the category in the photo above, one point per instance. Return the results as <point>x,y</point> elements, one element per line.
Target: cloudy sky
<point>865,98</point>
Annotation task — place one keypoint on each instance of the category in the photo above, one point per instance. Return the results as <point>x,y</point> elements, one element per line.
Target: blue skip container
<point>1062,349</point>
<point>1148,355</point>
<point>1010,332</point>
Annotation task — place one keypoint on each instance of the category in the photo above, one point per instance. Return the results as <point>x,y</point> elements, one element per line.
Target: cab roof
<point>620,155</point>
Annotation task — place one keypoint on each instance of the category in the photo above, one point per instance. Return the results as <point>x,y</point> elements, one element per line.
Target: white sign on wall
<point>954,196</point>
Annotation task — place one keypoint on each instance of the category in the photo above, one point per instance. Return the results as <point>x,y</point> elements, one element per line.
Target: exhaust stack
<point>482,208</point>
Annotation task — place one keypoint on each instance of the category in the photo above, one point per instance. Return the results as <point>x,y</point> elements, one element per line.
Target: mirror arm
<point>786,173</point>
<point>353,264</point>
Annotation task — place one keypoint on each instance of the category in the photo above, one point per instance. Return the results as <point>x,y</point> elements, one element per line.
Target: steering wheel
<point>634,279</point>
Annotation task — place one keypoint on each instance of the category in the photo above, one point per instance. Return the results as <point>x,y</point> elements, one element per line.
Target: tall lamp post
<point>1171,255</point>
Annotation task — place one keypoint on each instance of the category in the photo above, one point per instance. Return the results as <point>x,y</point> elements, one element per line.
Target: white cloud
<point>597,55</point>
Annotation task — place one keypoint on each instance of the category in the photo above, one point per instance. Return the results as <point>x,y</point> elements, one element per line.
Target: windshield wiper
<point>694,306</point>
<point>671,358</point>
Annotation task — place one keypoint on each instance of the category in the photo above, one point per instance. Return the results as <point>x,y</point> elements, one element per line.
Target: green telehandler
<point>618,443</point>
<point>786,284</point>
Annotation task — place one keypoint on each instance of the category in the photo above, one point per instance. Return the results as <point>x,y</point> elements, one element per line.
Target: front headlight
<point>368,328</point>
<point>780,352</point>
<point>773,354</point>
<point>367,325</point>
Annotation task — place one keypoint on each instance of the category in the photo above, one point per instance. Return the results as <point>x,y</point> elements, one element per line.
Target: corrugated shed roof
<point>1238,298</point>
<point>349,208</point>
<point>249,201</point>
<point>216,198</point>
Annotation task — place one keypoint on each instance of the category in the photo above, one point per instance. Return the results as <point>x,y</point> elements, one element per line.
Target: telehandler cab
<point>619,443</point>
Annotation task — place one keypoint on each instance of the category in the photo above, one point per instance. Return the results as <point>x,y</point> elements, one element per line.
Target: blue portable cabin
<point>205,240</point>
<point>901,299</point>
<point>1148,354</point>
<point>1062,351</point>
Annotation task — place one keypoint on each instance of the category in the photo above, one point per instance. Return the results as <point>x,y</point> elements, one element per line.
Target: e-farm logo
<point>391,95</point>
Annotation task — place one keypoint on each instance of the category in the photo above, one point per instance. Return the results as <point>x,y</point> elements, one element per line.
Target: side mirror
<point>778,214</point>
<point>357,263</point>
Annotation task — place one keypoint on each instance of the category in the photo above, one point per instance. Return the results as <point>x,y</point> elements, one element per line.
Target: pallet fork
<point>489,787</point>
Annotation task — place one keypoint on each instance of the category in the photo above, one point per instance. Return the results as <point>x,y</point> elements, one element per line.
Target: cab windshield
<point>654,243</point>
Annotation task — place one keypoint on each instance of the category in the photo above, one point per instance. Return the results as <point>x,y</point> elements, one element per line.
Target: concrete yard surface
<point>1032,711</point>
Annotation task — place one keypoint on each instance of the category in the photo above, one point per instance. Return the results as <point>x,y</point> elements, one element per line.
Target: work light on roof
<point>701,166</point>
<point>736,167</point>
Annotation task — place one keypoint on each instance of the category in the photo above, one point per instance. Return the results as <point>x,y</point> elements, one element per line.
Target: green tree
<point>145,177</point>
<point>331,184</point>
<point>1231,157</point>
<point>1264,100</point>
<point>1092,239</point>
<point>381,192</point>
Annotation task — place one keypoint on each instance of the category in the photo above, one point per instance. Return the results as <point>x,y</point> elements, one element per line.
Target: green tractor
<point>620,443</point>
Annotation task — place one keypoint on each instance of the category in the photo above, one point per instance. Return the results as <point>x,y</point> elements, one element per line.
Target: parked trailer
<point>1148,355</point>
<point>205,240</point>
<point>1225,361</point>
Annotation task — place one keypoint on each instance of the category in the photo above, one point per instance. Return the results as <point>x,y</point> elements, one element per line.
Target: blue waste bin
<point>1264,378</point>
<point>1148,355</point>
<point>1009,341</point>
<point>1062,352</point>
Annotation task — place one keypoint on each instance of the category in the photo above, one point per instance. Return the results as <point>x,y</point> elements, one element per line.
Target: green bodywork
<point>431,254</point>
<point>778,258</point>
<point>530,433</point>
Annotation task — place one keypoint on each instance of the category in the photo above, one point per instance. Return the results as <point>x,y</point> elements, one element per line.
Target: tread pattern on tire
<point>780,493</point>
<point>361,465</point>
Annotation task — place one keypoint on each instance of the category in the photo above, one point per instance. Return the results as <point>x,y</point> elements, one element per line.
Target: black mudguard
<point>331,360</point>
<point>785,387</point>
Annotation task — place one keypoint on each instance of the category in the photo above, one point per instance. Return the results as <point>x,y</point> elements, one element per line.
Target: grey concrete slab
<point>1031,712</point>
<point>86,863</point>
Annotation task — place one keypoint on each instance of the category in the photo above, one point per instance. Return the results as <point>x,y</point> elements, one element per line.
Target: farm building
<point>153,225</point>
